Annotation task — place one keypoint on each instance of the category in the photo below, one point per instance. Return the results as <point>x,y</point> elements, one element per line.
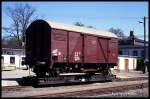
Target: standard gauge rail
<point>74,90</point>
<point>91,92</point>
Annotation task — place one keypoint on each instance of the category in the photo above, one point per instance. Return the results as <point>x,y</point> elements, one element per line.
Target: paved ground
<point>9,77</point>
<point>143,93</point>
<point>130,74</point>
<point>18,73</point>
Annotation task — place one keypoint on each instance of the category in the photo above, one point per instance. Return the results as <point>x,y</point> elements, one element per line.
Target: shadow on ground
<point>19,81</point>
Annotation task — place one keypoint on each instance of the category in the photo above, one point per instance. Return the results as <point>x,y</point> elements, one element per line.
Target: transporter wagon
<point>60,53</point>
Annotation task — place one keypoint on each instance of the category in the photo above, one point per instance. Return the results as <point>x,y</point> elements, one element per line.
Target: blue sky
<point>101,15</point>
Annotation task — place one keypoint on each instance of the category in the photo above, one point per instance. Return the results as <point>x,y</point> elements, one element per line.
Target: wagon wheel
<point>39,71</point>
<point>52,73</point>
<point>106,71</point>
<point>109,71</point>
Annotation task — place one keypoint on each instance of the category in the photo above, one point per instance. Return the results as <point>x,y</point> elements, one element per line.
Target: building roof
<point>128,56</point>
<point>83,30</point>
<point>128,42</point>
<point>11,47</point>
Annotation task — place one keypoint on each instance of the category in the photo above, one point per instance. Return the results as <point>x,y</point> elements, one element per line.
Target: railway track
<point>90,92</point>
<point>14,88</point>
<point>78,90</point>
<point>116,80</point>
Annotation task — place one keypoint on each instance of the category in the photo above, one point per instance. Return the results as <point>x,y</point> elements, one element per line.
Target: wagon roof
<point>83,30</point>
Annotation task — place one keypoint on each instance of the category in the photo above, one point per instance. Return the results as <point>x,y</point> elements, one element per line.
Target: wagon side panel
<point>102,50</point>
<point>113,46</point>
<point>75,47</point>
<point>90,49</point>
<point>59,46</point>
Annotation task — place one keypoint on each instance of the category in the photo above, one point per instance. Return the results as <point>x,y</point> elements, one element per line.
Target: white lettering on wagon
<point>55,52</point>
<point>77,56</point>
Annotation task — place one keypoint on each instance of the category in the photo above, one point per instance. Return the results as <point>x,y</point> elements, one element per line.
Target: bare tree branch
<point>82,25</point>
<point>21,16</point>
<point>118,32</point>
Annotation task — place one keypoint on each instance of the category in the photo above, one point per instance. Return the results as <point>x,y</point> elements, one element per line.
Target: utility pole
<point>144,24</point>
<point>144,19</point>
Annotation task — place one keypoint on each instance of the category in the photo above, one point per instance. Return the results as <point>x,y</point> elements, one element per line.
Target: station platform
<point>9,83</point>
<point>129,74</point>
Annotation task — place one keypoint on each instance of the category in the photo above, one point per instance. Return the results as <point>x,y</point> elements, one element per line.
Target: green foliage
<point>13,41</point>
<point>90,27</point>
<point>147,64</point>
<point>79,24</point>
<point>82,25</point>
<point>140,63</point>
<point>21,15</point>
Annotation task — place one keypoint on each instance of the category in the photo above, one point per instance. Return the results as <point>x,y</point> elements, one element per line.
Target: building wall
<point>9,52</point>
<point>131,65</point>
<point>13,52</point>
<point>129,51</point>
<point>18,60</point>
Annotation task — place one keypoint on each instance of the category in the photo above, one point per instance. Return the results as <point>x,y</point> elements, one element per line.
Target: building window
<point>126,52</point>
<point>23,58</point>
<point>120,52</point>
<point>142,53</point>
<point>12,53</point>
<point>4,52</point>
<point>9,53</point>
<point>2,59</point>
<point>12,60</point>
<point>135,53</point>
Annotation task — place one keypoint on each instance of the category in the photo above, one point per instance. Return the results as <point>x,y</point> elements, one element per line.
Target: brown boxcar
<point>52,46</point>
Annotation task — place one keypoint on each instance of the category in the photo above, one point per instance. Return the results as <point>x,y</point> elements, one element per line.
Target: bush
<point>140,63</point>
<point>147,64</point>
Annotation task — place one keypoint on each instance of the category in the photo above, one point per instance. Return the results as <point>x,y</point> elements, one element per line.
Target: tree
<point>82,25</point>
<point>118,32</point>
<point>90,27</point>
<point>21,15</point>
<point>79,24</point>
<point>12,41</point>
<point>4,41</point>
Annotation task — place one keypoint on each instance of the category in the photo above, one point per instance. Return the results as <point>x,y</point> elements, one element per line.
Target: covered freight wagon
<point>53,48</point>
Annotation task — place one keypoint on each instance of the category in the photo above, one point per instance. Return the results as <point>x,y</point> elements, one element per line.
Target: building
<point>133,46</point>
<point>12,56</point>
<point>126,63</point>
<point>129,49</point>
<point>12,50</point>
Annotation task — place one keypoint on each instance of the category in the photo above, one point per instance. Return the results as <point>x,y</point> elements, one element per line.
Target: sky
<point>101,15</point>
